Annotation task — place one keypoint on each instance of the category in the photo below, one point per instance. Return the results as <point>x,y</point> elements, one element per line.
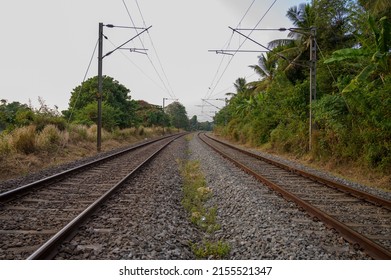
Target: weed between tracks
<point>195,195</point>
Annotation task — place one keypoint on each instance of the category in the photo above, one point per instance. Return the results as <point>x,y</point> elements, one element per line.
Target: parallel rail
<point>31,193</point>
<point>14,193</point>
<point>374,249</point>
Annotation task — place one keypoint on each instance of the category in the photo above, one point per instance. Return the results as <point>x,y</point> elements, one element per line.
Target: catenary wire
<point>138,67</point>
<point>229,62</point>
<point>156,53</point>
<point>226,45</point>
<point>166,86</point>
<point>84,78</point>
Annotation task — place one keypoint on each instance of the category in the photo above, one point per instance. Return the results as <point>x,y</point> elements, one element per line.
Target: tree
<point>379,8</point>
<point>266,69</point>
<point>89,115</point>
<point>302,18</point>
<point>373,57</point>
<point>115,95</point>
<point>14,114</point>
<point>178,115</point>
<point>352,110</point>
<point>150,115</point>
<point>193,122</point>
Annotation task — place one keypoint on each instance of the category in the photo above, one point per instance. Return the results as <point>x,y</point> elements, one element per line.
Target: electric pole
<point>100,73</point>
<point>100,58</point>
<point>312,80</point>
<point>311,65</point>
<point>164,99</point>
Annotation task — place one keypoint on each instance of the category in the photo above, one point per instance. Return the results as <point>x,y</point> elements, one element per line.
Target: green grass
<point>195,195</point>
<point>207,249</point>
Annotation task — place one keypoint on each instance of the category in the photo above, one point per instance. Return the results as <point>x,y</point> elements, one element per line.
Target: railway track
<point>361,218</point>
<point>36,218</point>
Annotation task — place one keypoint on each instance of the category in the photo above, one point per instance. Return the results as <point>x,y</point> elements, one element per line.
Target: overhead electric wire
<point>156,54</point>
<point>240,46</point>
<point>138,7</point>
<point>84,78</point>
<point>166,86</point>
<point>55,153</point>
<point>226,45</point>
<point>321,53</point>
<point>138,67</point>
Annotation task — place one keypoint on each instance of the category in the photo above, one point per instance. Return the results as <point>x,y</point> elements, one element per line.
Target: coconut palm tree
<point>298,41</point>
<point>374,57</point>
<point>266,69</point>
<point>240,87</point>
<point>376,6</point>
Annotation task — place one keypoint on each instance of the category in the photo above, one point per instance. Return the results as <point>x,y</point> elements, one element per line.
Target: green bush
<point>42,120</point>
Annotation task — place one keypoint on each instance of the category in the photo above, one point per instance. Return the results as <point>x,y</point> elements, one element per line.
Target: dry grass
<point>23,140</point>
<point>26,151</point>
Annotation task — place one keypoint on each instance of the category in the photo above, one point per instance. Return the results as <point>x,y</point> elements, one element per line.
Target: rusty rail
<point>373,249</point>
<point>49,249</point>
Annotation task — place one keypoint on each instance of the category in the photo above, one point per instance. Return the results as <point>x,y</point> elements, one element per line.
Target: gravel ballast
<point>144,220</point>
<point>259,224</point>
<point>147,220</point>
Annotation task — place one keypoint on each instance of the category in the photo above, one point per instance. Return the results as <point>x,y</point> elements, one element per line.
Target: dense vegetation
<point>119,111</point>
<point>352,111</point>
<point>33,138</point>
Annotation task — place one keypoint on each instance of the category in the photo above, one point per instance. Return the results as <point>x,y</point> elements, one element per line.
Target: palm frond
<point>280,43</point>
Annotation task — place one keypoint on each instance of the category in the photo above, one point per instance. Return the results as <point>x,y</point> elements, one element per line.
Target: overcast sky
<point>46,46</point>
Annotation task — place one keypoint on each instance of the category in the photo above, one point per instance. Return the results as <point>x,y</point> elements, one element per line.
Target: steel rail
<point>49,249</point>
<point>372,248</point>
<point>7,195</point>
<point>359,194</point>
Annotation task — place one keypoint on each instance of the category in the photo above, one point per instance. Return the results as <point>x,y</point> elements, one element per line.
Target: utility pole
<point>311,65</point>
<point>219,99</point>
<point>312,80</point>
<point>164,99</point>
<point>100,78</point>
<point>100,73</point>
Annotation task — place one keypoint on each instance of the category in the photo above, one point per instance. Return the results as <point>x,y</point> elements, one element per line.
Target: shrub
<point>124,134</point>
<point>23,139</point>
<point>5,144</point>
<point>50,138</point>
<point>141,131</point>
<point>77,133</point>
<point>43,120</point>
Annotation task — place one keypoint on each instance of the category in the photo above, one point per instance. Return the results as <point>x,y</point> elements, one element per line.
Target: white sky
<point>46,46</point>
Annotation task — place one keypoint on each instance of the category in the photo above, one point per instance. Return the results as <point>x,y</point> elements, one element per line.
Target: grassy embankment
<point>354,171</point>
<point>26,149</point>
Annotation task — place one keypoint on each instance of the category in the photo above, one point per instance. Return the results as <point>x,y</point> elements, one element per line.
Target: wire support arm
<point>229,52</point>
<point>119,47</point>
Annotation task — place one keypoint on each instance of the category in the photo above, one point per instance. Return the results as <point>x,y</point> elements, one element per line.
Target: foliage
<point>117,105</point>
<point>178,115</point>
<point>208,249</point>
<point>150,115</point>
<point>15,114</point>
<point>352,111</point>
<point>195,195</point>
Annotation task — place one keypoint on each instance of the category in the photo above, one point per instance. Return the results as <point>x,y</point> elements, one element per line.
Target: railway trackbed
<point>361,218</point>
<point>36,218</point>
